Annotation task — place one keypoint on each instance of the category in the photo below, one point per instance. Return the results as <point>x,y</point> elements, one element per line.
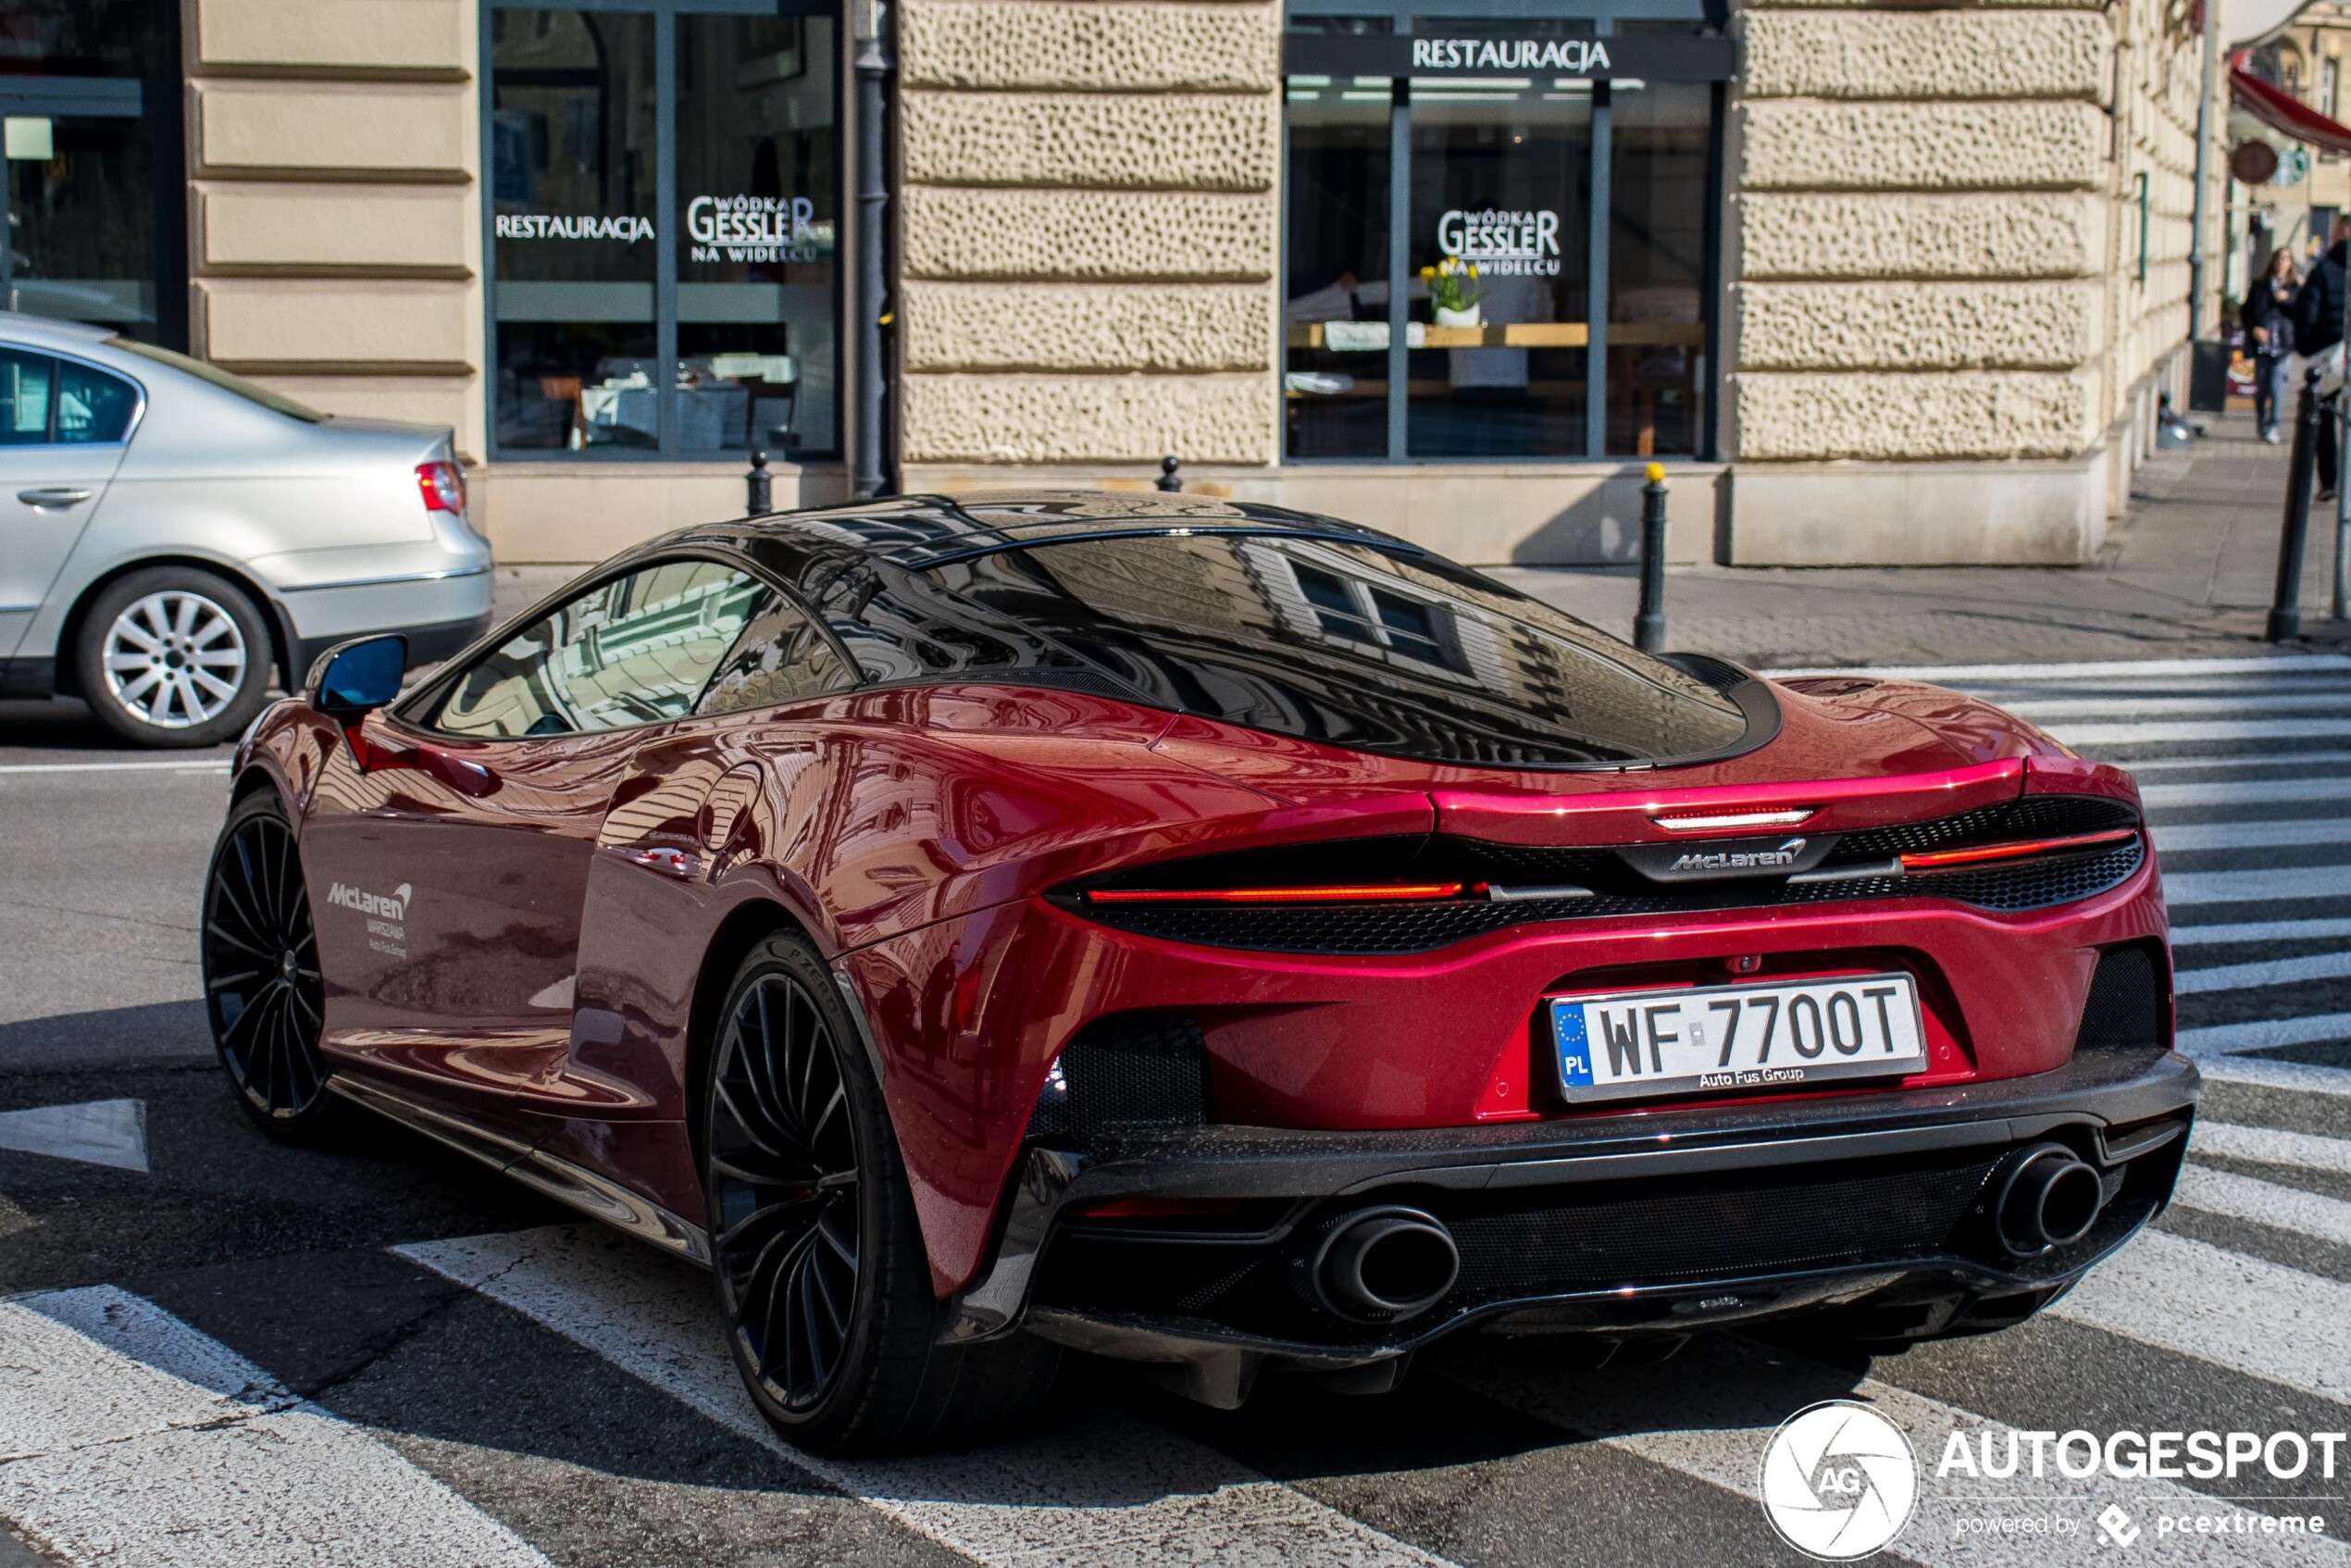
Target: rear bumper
<point>1223,1304</point>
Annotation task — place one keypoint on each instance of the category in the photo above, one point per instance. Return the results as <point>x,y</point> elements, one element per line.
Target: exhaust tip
<point>1379,1265</point>
<point>2049,1197</point>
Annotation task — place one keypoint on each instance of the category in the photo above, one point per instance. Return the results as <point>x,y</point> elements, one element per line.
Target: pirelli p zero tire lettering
<point>816,1256</point>
<point>264,996</point>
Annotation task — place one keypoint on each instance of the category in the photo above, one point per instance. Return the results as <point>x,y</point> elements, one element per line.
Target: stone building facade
<point>1877,283</point>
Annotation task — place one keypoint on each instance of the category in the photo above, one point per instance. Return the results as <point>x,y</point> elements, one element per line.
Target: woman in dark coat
<point>2269,331</point>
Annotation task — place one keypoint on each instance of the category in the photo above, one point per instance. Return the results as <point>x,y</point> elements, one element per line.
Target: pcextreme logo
<point>393,905</point>
<point>1839,1480</point>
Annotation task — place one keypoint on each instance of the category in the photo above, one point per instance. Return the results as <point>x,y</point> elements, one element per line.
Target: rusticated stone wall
<point>336,227</point>
<point>1938,228</point>
<point>1089,230</point>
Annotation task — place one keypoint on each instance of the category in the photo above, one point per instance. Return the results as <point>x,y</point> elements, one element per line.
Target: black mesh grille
<point>1135,1069</point>
<point>2125,1008</point>
<point>1615,1235</point>
<point>1526,1244</point>
<point>1417,928</point>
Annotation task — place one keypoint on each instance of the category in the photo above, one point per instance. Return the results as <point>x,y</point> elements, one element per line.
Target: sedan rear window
<point>1332,641</point>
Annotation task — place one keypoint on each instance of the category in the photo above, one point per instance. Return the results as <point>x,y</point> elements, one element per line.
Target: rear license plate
<point>1639,1043</point>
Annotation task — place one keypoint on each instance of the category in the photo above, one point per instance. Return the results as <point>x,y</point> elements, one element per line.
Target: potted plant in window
<point>1453,291</point>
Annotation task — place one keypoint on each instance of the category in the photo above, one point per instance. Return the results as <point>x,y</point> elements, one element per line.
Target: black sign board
<point>1650,56</point>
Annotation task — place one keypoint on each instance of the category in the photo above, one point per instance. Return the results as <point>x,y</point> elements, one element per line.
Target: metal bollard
<point>1648,625</point>
<point>2285,608</point>
<point>1167,479</point>
<point>759,490</point>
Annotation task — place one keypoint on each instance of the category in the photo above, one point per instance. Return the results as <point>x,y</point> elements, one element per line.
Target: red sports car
<point>1205,934</point>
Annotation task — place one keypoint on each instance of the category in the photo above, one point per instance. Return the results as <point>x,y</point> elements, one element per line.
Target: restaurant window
<point>1559,185</point>
<point>624,331</point>
<point>92,199</point>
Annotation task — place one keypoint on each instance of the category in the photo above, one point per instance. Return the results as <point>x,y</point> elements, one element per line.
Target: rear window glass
<point>1335,641</point>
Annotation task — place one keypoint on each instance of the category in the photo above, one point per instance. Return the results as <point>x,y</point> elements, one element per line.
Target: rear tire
<point>816,1256</point>
<point>173,656</point>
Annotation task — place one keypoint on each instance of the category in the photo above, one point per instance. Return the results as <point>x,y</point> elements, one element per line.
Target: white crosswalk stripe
<point>1038,1500</point>
<point>128,1436</point>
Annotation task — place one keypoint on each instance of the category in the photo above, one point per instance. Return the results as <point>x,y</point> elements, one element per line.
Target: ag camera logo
<point>1840,1481</point>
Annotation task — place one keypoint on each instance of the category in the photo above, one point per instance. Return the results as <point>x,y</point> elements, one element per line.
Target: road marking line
<point>2258,931</point>
<point>128,1436</point>
<point>1099,1488</point>
<point>219,767</point>
<point>1710,1421</point>
<point>2254,835</point>
<point>2149,732</point>
<point>2241,759</point>
<point>2264,1203</point>
<point>2227,1039</point>
<point>2265,1072</point>
<point>2091,669</point>
<point>2257,886</point>
<point>2183,705</point>
<point>2222,1308</point>
<point>2269,1146</point>
<point>2252,977</point>
<point>96,1132</point>
<point>2244,791</point>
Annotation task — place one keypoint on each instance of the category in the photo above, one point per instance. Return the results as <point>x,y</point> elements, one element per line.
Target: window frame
<point>408,714</point>
<point>1600,153</point>
<point>129,429</point>
<point>665,14</point>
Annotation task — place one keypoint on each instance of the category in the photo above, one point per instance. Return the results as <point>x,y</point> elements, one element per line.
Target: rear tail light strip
<point>1953,860</point>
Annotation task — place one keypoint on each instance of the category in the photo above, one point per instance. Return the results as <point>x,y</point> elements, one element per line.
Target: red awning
<point>2283,113</point>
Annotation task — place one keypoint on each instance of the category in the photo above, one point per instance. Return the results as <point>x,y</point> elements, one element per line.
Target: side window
<point>781,657</point>
<point>637,650</point>
<point>28,391</point>
<point>92,406</point>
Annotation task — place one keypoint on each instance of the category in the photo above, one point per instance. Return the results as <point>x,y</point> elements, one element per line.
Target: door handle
<point>56,497</point>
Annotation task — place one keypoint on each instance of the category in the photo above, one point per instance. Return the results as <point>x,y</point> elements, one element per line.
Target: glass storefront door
<point>665,195</point>
<point>1546,189</point>
<point>1500,197</point>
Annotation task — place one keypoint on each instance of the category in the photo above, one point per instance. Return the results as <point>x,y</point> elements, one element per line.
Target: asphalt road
<point>379,1353</point>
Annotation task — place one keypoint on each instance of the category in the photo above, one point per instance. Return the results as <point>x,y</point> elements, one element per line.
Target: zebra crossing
<point>559,1395</point>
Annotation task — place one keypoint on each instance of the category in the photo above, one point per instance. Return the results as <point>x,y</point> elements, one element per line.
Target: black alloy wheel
<point>263,993</point>
<point>816,1255</point>
<point>784,1170</point>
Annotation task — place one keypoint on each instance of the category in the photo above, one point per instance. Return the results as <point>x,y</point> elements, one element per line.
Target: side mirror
<point>353,679</point>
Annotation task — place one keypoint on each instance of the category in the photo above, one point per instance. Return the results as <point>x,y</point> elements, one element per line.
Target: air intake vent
<point>1134,1069</point>
<point>2125,1008</point>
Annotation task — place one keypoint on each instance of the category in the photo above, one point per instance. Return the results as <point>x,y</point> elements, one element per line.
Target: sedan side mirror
<point>354,679</point>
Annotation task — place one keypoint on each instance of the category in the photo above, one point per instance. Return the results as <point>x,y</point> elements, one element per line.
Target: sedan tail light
<point>442,486</point>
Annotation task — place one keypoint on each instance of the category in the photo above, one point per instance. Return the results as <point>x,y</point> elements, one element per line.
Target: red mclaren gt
<point>1204,934</point>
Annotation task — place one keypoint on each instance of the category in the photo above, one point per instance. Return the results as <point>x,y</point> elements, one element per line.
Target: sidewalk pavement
<point>2187,573</point>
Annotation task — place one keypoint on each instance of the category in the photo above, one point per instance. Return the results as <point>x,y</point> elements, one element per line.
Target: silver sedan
<point>172,537</point>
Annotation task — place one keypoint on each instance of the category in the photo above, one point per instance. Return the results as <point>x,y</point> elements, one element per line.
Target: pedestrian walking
<point>2317,338</point>
<point>2267,316</point>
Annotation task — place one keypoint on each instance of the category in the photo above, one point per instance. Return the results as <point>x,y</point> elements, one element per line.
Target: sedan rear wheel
<point>263,993</point>
<point>818,1257</point>
<point>172,657</point>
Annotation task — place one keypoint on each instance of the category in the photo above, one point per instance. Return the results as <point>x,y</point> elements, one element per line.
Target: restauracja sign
<point>1504,244</point>
<point>1576,56</point>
